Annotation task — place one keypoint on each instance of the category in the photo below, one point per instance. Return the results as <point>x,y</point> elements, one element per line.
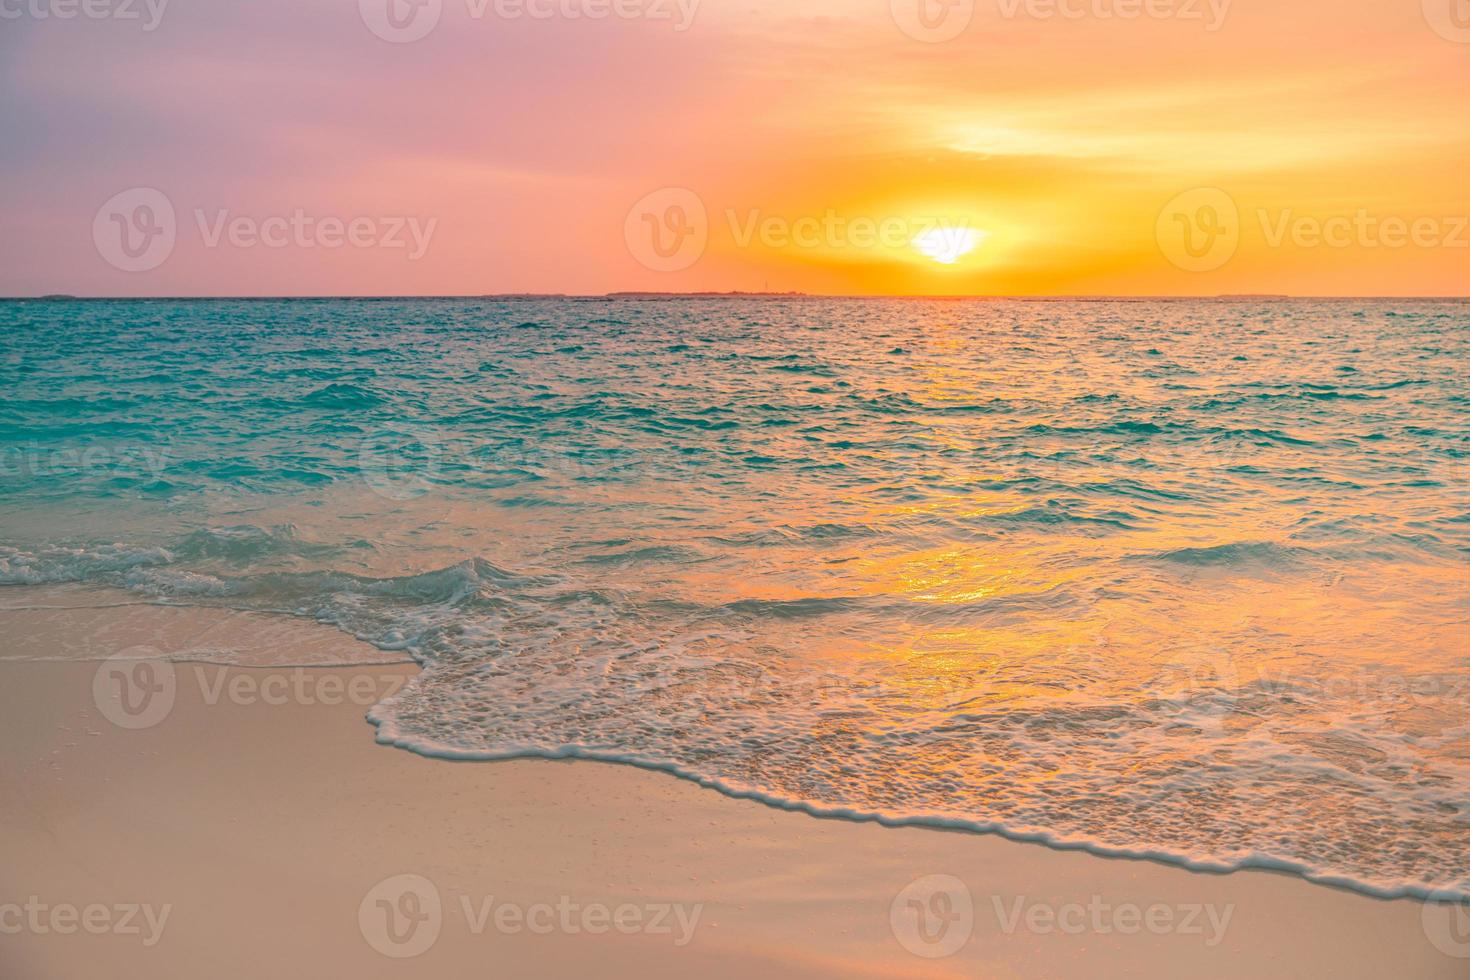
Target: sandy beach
<point>545,489</point>
<point>254,828</point>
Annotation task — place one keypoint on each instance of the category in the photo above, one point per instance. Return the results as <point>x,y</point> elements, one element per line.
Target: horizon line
<point>740,294</point>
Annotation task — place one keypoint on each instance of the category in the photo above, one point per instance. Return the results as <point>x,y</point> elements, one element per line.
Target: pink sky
<point>1057,147</point>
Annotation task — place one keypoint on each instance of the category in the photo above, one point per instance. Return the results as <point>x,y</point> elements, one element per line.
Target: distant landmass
<point>703,295</point>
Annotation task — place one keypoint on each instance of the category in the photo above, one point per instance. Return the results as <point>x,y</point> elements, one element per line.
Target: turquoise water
<point>1178,579</point>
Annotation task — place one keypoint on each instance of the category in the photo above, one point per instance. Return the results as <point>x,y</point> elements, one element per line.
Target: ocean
<point>1184,580</point>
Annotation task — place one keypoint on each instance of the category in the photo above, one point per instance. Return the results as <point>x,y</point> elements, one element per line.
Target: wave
<point>1256,554</point>
<point>57,563</point>
<point>343,395</point>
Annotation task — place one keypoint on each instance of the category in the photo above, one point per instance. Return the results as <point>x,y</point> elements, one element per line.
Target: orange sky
<point>1308,147</point>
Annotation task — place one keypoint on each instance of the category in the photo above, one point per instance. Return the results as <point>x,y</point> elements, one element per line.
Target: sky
<point>908,147</point>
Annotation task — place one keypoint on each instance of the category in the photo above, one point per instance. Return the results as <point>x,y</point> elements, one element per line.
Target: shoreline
<point>1041,839</point>
<point>252,809</point>
<point>248,636</point>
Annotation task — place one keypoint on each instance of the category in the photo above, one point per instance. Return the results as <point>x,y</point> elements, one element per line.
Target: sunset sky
<point>1032,153</point>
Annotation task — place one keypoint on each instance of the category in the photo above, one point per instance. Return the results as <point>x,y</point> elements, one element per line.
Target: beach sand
<point>259,812</point>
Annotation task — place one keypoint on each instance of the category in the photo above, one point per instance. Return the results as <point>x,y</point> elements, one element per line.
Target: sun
<point>948,245</point>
